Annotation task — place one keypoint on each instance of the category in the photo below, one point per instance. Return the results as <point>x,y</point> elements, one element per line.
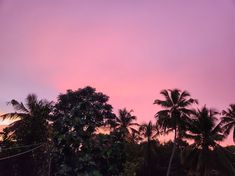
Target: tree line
<point>80,135</point>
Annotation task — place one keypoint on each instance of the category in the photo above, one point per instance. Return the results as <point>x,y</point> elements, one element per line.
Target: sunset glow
<point>128,50</point>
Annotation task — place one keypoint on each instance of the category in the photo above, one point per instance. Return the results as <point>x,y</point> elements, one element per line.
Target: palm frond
<point>233,134</point>
<point>31,100</point>
<point>13,116</point>
<point>18,106</point>
<point>184,95</point>
<point>227,128</point>
<point>187,102</point>
<point>217,129</point>
<point>175,95</point>
<point>134,124</point>
<point>164,103</point>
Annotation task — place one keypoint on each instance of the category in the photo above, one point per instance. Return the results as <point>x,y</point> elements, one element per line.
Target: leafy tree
<point>201,156</point>
<point>108,154</point>
<point>228,120</point>
<point>78,114</point>
<point>175,114</point>
<point>134,158</point>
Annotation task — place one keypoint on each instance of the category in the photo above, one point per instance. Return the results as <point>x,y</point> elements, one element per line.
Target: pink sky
<point>130,50</point>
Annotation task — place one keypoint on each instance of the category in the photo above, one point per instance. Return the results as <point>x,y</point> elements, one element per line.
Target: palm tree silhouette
<point>228,120</point>
<point>203,129</point>
<point>30,123</point>
<point>149,132</point>
<point>125,122</point>
<point>135,136</point>
<point>206,134</point>
<point>175,114</point>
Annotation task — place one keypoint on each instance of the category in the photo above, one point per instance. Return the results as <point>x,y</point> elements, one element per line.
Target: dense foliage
<point>80,135</point>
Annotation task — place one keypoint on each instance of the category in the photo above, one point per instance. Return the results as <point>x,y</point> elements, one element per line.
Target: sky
<point>129,50</point>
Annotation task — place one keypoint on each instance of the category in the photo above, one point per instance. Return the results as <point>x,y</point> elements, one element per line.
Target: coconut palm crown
<point>125,122</point>
<point>175,114</point>
<point>149,131</point>
<point>205,155</point>
<point>228,120</point>
<point>30,121</point>
<point>204,129</point>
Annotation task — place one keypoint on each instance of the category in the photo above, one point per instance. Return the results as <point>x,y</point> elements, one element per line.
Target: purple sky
<point>130,50</point>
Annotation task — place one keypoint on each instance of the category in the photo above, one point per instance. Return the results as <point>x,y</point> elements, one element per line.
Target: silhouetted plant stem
<point>172,156</point>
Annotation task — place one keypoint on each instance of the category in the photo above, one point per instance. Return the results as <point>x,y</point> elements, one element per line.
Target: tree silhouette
<point>125,122</point>
<point>84,137</point>
<point>175,114</point>
<point>30,123</point>
<point>149,132</point>
<point>29,128</point>
<point>228,120</point>
<point>201,156</point>
<point>77,116</point>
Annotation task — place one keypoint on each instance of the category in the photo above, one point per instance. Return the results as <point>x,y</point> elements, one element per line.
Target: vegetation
<point>228,120</point>
<point>201,157</point>
<point>80,135</point>
<point>175,116</point>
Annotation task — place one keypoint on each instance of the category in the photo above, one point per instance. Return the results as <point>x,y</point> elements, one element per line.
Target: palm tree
<point>228,120</point>
<point>203,129</point>
<point>30,127</point>
<point>135,136</point>
<point>149,132</point>
<point>206,134</point>
<point>175,114</point>
<point>124,122</point>
<point>30,123</point>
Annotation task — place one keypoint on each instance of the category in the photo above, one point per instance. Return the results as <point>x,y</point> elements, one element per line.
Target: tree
<point>30,125</point>
<point>108,154</point>
<point>124,123</point>
<point>29,128</point>
<point>228,120</point>
<point>78,114</point>
<point>149,132</point>
<point>175,114</point>
<point>206,133</point>
<point>135,136</point>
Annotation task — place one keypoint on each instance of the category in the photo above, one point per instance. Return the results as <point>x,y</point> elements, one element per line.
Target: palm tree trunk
<point>49,166</point>
<point>172,156</point>
<point>148,157</point>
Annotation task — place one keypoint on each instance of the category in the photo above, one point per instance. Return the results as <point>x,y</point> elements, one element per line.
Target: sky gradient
<point>129,50</point>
